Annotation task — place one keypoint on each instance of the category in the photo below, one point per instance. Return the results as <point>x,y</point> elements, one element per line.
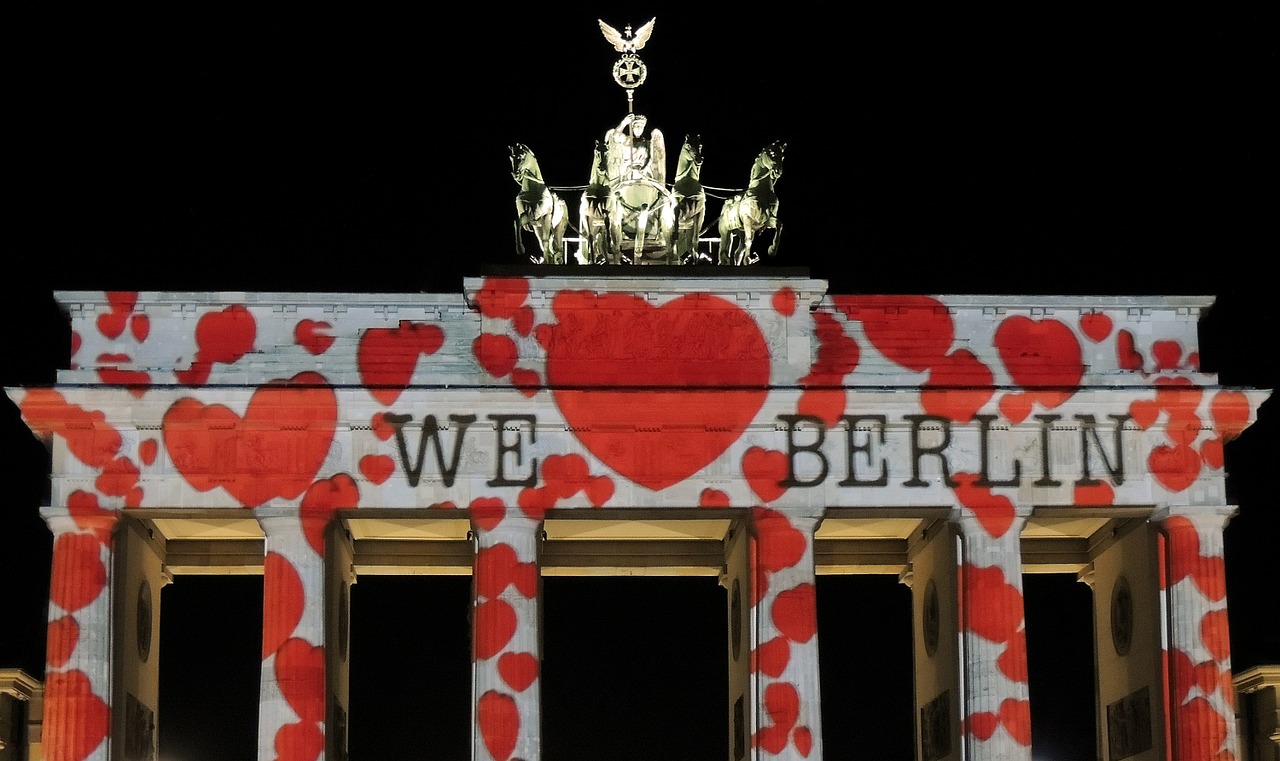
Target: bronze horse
<point>745,214</point>
<point>690,200</point>
<point>594,210</point>
<point>538,209</point>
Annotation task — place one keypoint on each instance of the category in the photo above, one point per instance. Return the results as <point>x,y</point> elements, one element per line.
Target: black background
<point>1053,151</point>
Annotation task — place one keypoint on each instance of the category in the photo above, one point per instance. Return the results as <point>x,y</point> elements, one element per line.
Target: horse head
<point>523,163</point>
<point>691,153</point>
<point>771,157</point>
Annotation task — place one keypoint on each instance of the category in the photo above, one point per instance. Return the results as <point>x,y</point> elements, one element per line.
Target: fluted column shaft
<point>506,658</point>
<point>291,701</point>
<point>785,649</point>
<point>997,706</point>
<point>1202,714</point>
<point>77,696</point>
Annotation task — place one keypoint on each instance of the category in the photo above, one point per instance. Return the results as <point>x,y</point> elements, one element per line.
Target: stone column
<point>997,706</point>
<point>505,624</point>
<point>138,578</point>
<point>785,645</point>
<point>341,575</point>
<point>1202,714</point>
<point>292,693</point>
<point>77,687</point>
<point>737,580</point>
<point>935,613</point>
<point>1127,643</point>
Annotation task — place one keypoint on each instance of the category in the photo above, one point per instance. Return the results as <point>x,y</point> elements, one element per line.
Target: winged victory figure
<point>624,41</point>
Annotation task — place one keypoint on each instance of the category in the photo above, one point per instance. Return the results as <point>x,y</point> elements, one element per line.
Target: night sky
<point>1034,152</point>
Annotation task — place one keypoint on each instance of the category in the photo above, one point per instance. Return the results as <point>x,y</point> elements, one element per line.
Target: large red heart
<point>275,450</point>
<point>1040,353</point>
<point>656,393</point>
<point>386,357</point>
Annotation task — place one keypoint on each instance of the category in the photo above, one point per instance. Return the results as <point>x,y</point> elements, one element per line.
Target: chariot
<point>627,212</point>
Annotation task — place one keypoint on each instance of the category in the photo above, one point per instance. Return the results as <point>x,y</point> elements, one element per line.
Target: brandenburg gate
<point>737,421</point>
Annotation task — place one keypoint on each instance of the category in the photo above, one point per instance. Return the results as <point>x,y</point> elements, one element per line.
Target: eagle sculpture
<point>624,41</point>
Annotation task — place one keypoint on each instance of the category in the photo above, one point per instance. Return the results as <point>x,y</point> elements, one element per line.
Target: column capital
<point>973,525</point>
<point>61,521</point>
<point>1204,515</point>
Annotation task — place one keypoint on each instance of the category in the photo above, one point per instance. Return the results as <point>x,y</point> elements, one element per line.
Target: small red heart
<point>772,657</point>
<point>803,739</point>
<point>387,357</point>
<point>784,301</point>
<point>1016,406</point>
<point>780,544</point>
<point>487,512</point>
<point>795,613</point>
<point>62,638</point>
<point>983,725</point>
<point>713,498</point>
<point>994,512</point>
<point>518,670</point>
<point>499,720</point>
<point>1013,661</point>
<point>1174,467</point>
<point>140,326</point>
<point>765,470</point>
<point>322,499</point>
<point>1096,326</point>
<point>112,324</point>
<point>380,427</point>
<point>495,625</point>
<point>993,608</point>
<point>1015,715</point>
<point>316,337</point>
<point>299,669</point>
<point>75,719</point>
<point>284,598</point>
<point>496,353</point>
<point>377,467</point>
<point>78,575</point>
<point>302,741</point>
<point>225,336</point>
<point>148,450</point>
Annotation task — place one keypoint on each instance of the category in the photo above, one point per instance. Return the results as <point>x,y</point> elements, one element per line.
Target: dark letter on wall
<point>1089,430</point>
<point>430,430</point>
<point>918,451</point>
<point>851,477</point>
<point>814,448</point>
<point>517,448</point>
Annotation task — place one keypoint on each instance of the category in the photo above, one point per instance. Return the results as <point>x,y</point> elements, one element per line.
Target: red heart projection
<point>518,670</point>
<point>387,357</point>
<point>1039,353</point>
<point>302,741</point>
<point>299,668</point>
<point>795,613</point>
<point>63,636</point>
<point>772,657</point>
<point>75,720</point>
<point>495,625</point>
<point>322,499</point>
<point>285,597</point>
<point>275,450</point>
<point>78,575</point>
<point>499,720</point>
<point>1096,326</point>
<point>377,467</point>
<point>656,393</point>
<point>765,470</point>
<point>1015,715</point>
<point>993,607</point>
<point>315,337</point>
